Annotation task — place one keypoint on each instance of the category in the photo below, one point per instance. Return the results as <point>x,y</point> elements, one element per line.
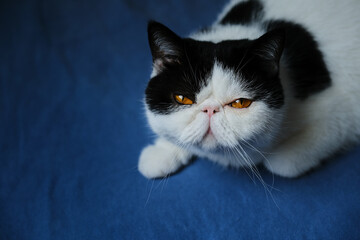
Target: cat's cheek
<point>195,130</point>
<point>170,125</point>
<point>154,122</point>
<point>246,123</point>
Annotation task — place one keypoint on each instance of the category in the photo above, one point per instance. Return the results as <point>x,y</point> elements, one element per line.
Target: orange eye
<point>183,100</point>
<point>241,103</point>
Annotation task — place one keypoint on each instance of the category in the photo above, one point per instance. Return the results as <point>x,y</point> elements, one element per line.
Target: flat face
<point>192,71</point>
<point>211,96</point>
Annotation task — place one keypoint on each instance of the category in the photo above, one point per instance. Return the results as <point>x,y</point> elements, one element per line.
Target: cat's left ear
<point>268,49</point>
<point>165,45</point>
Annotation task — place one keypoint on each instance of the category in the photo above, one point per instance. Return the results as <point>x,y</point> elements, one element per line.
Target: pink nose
<point>210,110</point>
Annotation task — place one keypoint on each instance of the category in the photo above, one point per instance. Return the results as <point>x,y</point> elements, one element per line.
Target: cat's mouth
<point>209,132</point>
<point>209,140</point>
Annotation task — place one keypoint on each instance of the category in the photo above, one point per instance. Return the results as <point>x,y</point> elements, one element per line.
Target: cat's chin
<point>209,142</point>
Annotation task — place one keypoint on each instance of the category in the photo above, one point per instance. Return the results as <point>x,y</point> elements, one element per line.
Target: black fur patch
<point>185,77</point>
<point>264,84</point>
<point>303,58</point>
<point>244,13</point>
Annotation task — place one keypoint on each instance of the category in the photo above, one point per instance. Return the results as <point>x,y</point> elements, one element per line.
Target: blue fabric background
<point>72,77</point>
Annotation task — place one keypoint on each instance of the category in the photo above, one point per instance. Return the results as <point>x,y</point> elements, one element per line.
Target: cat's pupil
<point>241,101</point>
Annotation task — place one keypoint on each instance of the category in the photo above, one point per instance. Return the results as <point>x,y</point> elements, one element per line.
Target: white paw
<point>289,166</point>
<point>161,159</point>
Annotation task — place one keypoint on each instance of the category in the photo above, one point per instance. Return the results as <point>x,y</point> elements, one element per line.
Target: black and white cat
<point>272,81</point>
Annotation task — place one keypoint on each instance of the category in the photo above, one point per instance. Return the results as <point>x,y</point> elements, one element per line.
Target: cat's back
<point>322,16</point>
<point>333,24</point>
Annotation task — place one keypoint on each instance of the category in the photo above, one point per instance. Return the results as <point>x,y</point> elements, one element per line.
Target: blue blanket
<point>72,78</point>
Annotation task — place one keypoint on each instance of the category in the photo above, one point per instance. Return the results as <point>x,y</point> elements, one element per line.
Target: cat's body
<point>299,67</point>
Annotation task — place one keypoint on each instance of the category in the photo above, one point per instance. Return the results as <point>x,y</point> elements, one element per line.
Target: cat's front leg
<point>162,159</point>
<point>302,152</point>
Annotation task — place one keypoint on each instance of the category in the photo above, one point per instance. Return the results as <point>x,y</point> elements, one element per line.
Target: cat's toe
<point>156,162</point>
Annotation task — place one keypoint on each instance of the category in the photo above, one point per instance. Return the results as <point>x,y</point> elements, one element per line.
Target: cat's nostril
<point>210,110</point>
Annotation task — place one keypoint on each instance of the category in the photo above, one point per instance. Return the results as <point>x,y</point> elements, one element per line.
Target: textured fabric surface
<point>72,77</point>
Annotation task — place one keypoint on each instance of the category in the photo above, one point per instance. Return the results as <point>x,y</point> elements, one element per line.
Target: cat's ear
<point>165,45</point>
<point>268,49</point>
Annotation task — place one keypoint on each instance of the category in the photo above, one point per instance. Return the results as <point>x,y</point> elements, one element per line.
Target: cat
<point>275,82</point>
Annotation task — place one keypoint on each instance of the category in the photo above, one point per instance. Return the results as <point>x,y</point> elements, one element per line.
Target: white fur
<point>229,32</point>
<point>299,135</point>
<point>162,159</point>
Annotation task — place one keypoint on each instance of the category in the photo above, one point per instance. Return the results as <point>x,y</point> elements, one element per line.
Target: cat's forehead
<point>224,85</point>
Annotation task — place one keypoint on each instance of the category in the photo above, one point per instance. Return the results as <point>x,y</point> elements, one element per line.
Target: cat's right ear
<point>268,48</point>
<point>165,45</point>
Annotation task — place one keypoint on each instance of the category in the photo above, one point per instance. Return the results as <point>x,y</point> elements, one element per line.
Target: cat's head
<point>214,95</point>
